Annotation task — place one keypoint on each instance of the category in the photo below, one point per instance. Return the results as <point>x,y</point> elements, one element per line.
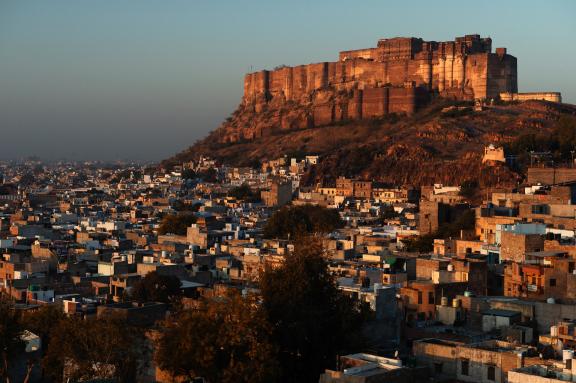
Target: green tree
<point>157,288</point>
<point>224,340</point>
<point>95,348</point>
<point>176,223</point>
<point>313,321</point>
<point>11,344</point>
<point>301,220</point>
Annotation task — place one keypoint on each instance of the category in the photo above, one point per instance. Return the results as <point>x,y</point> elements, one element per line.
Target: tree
<point>560,141</point>
<point>184,208</point>
<point>188,174</point>
<point>95,348</point>
<point>469,189</point>
<point>224,340</point>
<point>157,288</point>
<point>208,175</point>
<point>565,134</point>
<point>388,212</point>
<point>420,243</point>
<point>245,193</point>
<point>425,243</point>
<point>11,343</point>
<point>301,220</point>
<point>176,223</point>
<point>313,321</point>
<point>42,321</point>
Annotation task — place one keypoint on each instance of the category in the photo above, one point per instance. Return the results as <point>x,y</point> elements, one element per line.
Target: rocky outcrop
<point>428,147</point>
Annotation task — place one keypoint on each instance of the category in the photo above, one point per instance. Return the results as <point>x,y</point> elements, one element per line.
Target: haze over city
<point>143,80</point>
<point>287,192</point>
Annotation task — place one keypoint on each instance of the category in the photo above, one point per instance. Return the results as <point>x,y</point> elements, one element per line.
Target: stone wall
<point>551,176</point>
<point>398,76</point>
<point>544,96</point>
<point>464,63</point>
<point>515,246</point>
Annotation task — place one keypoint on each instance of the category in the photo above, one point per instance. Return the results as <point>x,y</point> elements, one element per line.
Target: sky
<point>142,79</point>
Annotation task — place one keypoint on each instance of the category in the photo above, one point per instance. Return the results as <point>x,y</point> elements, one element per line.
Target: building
<point>367,368</point>
<point>486,362</point>
<point>279,193</point>
<point>493,154</point>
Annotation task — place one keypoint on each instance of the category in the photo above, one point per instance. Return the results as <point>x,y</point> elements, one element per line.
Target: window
<point>419,297</point>
<point>491,373</point>
<point>464,367</point>
<point>552,282</point>
<point>431,297</point>
<point>540,209</point>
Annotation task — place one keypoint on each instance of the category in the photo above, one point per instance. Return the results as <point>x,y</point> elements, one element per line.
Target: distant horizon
<point>141,81</point>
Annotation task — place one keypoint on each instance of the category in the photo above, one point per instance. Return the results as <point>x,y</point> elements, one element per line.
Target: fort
<point>465,67</point>
<point>399,75</point>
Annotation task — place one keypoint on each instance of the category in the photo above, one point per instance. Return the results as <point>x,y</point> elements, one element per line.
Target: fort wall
<point>399,75</point>
<point>464,63</point>
<point>544,96</point>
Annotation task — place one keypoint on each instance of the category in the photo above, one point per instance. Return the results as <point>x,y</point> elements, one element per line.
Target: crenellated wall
<point>397,76</point>
<point>466,62</point>
<point>544,96</point>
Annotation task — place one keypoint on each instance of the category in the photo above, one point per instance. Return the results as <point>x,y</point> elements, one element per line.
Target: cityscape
<point>401,212</point>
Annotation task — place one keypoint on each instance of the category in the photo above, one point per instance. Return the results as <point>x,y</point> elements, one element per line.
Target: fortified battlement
<point>543,96</point>
<point>399,75</point>
<point>410,48</point>
<point>465,67</point>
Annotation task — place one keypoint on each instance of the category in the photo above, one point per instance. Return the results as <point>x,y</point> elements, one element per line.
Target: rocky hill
<point>443,142</point>
<point>383,113</point>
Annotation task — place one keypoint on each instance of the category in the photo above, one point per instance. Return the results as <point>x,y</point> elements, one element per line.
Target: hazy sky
<point>138,79</point>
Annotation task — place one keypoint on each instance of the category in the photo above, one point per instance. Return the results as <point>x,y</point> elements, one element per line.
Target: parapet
<point>398,75</point>
<point>542,96</point>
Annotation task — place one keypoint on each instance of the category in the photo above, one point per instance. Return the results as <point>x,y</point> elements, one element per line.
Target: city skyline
<point>119,80</point>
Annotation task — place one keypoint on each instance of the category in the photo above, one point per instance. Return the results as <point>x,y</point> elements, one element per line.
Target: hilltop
<point>433,145</point>
<point>401,112</point>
